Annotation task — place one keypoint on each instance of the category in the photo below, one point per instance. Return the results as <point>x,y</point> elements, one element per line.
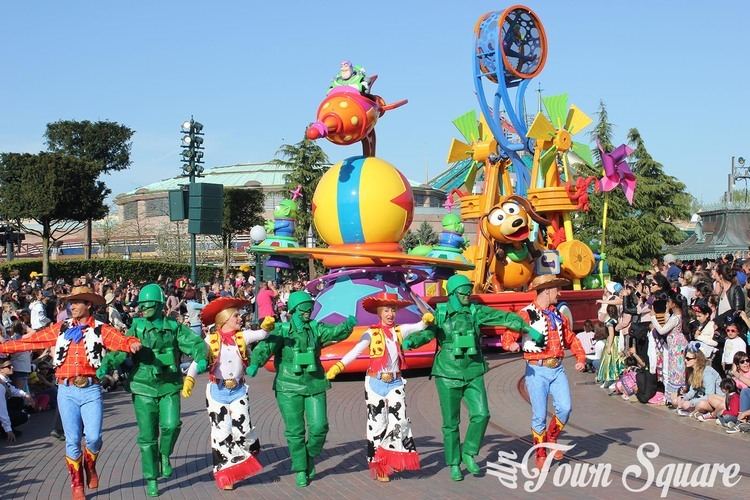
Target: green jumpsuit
<point>459,369</point>
<point>300,382</point>
<point>155,384</point>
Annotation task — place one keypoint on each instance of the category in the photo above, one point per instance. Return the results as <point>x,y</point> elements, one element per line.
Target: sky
<point>254,73</point>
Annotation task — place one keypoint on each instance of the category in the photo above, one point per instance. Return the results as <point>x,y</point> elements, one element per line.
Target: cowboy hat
<point>85,294</point>
<point>208,314</point>
<point>109,298</point>
<point>6,363</point>
<point>546,281</point>
<point>383,299</point>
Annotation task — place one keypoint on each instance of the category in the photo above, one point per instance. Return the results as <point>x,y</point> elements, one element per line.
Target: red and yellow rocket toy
<point>347,116</point>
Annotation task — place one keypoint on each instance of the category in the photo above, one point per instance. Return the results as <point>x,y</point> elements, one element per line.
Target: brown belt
<point>386,377</point>
<point>547,362</point>
<point>229,383</point>
<point>79,381</point>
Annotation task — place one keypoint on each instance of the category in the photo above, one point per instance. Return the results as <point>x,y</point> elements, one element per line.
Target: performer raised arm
<point>300,383</point>
<point>460,366</point>
<point>80,343</point>
<point>390,445</point>
<point>545,373</point>
<point>234,443</point>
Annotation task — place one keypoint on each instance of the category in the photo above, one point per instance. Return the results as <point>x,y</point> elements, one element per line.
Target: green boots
<point>470,464</point>
<point>166,467</point>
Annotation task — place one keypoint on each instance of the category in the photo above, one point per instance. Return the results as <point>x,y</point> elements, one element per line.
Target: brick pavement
<point>603,429</point>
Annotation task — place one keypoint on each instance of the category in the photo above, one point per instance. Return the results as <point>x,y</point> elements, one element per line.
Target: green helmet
<point>151,293</point>
<point>457,281</point>
<point>297,298</point>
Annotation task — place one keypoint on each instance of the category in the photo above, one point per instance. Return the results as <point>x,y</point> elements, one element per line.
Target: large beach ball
<point>362,200</point>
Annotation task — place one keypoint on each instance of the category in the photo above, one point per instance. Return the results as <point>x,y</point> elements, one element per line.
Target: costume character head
<point>547,288</point>
<point>459,289</point>
<point>81,299</point>
<point>287,209</point>
<point>384,305</point>
<point>509,221</point>
<point>151,301</point>
<point>452,223</point>
<point>301,305</point>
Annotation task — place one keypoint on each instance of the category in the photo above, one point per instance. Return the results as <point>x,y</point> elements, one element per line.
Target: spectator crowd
<point>677,335</point>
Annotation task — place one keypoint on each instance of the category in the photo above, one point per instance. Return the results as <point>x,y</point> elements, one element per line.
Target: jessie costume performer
<point>80,343</point>
<point>234,443</point>
<point>459,368</point>
<point>300,383</point>
<point>156,381</point>
<point>545,374</point>
<point>390,445</point>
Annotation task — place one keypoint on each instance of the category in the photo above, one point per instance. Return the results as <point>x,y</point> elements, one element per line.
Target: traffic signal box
<point>202,204</point>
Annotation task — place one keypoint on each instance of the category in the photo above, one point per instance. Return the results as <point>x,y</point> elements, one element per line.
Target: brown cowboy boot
<point>541,452</point>
<point>75,469</point>
<point>89,466</point>
<point>554,429</point>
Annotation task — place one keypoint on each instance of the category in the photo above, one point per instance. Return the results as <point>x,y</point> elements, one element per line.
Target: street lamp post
<point>310,242</point>
<point>257,234</point>
<point>192,160</point>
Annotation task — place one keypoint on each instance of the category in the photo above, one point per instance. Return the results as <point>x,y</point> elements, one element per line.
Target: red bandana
<point>227,338</point>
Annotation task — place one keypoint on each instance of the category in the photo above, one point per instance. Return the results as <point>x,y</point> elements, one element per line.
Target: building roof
<point>239,175</point>
<point>719,231</point>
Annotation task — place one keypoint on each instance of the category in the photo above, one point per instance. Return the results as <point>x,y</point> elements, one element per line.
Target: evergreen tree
<point>426,235</point>
<point>243,209</point>
<point>307,163</point>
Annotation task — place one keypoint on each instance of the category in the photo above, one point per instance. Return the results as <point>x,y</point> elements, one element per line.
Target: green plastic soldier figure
<point>300,382</point>
<point>459,368</point>
<point>156,381</point>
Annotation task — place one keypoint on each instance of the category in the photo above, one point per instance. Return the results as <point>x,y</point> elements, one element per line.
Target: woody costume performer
<point>156,381</point>
<point>390,445</point>
<point>545,374</point>
<point>459,368</point>
<point>300,383</point>
<point>80,343</point>
<point>234,442</point>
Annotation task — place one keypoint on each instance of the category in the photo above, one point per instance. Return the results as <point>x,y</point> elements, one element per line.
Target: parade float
<point>515,183</point>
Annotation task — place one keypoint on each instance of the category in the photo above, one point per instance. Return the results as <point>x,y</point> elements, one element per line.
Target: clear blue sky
<point>254,72</point>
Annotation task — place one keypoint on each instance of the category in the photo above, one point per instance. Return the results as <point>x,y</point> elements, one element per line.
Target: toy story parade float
<point>515,183</point>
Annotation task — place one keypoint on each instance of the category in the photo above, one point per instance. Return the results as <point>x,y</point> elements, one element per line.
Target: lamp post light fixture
<point>257,234</point>
<point>192,167</point>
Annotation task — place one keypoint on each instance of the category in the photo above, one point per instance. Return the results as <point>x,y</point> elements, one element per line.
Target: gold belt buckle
<point>81,382</point>
<point>552,362</point>
<point>386,377</point>
<point>230,383</point>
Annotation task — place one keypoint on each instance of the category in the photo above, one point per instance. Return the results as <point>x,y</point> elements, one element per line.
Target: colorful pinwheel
<point>617,171</point>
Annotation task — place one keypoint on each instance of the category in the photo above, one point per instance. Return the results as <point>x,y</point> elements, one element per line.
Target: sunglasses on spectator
<point>689,358</point>
<point>743,361</point>
<point>733,330</point>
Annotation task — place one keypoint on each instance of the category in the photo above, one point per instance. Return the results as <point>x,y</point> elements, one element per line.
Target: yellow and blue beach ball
<point>362,200</point>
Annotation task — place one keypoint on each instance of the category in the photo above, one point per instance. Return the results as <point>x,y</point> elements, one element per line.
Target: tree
<point>635,234</point>
<point>409,241</point>
<point>243,209</point>
<point>107,227</point>
<point>55,191</point>
<point>103,143</point>
<point>307,163</point>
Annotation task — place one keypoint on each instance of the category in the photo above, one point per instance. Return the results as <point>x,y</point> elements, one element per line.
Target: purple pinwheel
<point>617,171</point>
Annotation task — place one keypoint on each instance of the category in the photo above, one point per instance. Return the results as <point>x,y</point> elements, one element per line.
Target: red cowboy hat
<point>383,299</point>
<point>208,314</point>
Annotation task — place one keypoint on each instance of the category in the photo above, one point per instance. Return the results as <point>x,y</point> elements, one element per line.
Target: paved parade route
<point>603,430</point>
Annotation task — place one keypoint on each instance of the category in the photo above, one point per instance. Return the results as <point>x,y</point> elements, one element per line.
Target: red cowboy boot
<point>75,469</point>
<point>541,452</point>
<point>89,466</point>
<point>554,429</point>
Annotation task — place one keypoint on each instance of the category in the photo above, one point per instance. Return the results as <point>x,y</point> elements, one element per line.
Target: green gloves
<point>351,322</point>
<point>102,371</point>
<point>201,365</point>
<point>408,343</point>
<point>539,339</point>
<point>251,370</point>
